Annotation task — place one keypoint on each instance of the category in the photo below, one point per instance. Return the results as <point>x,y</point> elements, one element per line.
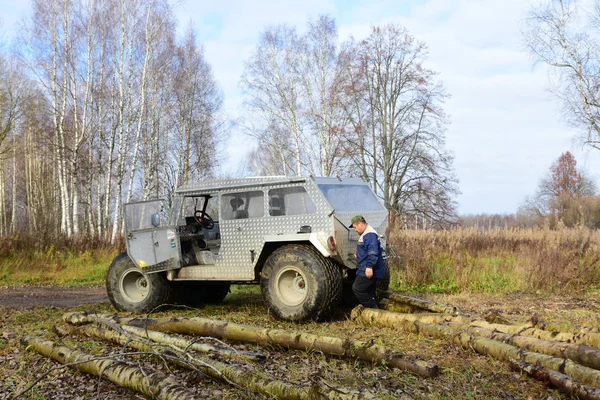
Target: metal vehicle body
<point>290,235</point>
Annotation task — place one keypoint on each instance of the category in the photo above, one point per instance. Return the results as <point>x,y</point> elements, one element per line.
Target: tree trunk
<point>484,346</point>
<point>422,304</point>
<point>294,340</point>
<point>558,380</point>
<point>582,354</point>
<point>152,384</point>
<point>587,338</point>
<point>252,380</point>
<point>164,338</point>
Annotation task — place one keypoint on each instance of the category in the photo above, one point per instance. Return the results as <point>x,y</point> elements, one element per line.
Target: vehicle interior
<point>199,232</point>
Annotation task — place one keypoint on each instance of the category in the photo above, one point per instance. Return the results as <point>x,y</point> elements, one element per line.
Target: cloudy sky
<point>506,128</point>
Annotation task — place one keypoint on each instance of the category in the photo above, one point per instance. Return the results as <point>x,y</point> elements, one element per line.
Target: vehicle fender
<point>317,239</point>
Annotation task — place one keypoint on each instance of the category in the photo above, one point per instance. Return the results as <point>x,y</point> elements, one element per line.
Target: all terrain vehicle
<point>290,235</point>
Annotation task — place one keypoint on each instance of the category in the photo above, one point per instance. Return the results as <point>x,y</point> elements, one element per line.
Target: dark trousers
<point>365,291</point>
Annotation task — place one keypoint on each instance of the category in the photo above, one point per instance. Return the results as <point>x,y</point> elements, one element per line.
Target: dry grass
<point>464,374</point>
<point>472,260</point>
<point>66,261</point>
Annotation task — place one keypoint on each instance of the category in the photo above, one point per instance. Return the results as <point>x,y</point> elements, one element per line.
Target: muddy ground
<point>465,374</point>
<point>29,296</point>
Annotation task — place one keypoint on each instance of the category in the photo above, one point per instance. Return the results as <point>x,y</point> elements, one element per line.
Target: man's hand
<point>369,272</point>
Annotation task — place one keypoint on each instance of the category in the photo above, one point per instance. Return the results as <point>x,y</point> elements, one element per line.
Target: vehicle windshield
<point>351,197</point>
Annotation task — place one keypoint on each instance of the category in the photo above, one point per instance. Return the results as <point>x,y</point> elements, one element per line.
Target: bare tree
<point>395,104</point>
<point>566,38</point>
<point>271,82</point>
<point>293,85</point>
<point>106,74</point>
<point>197,105</point>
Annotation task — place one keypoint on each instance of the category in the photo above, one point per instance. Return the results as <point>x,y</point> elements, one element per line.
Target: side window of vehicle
<point>290,201</point>
<point>243,205</point>
<point>192,204</point>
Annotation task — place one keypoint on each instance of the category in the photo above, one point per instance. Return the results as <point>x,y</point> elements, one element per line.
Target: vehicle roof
<point>214,185</point>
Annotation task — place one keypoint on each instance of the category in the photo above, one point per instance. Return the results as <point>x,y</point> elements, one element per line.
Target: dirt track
<point>51,296</point>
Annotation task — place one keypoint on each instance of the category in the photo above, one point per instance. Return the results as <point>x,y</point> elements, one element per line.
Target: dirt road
<point>51,296</point>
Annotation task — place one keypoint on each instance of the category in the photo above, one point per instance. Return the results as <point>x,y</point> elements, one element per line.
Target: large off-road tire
<point>298,283</point>
<point>130,290</point>
<point>198,293</point>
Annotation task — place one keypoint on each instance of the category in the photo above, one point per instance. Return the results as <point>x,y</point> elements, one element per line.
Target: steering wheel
<point>204,219</point>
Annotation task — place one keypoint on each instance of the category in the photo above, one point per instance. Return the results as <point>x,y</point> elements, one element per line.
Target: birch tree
<point>197,104</point>
<point>293,85</point>
<point>106,72</point>
<point>271,82</point>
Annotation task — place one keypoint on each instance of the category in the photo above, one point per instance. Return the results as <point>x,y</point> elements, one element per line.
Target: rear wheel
<point>298,283</point>
<point>129,289</point>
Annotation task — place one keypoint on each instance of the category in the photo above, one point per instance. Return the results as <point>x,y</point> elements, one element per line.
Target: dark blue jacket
<point>369,254</point>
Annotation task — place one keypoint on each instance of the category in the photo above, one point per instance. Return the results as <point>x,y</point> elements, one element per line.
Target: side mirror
<point>156,220</point>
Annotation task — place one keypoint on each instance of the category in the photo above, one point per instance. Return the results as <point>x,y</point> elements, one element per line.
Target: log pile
<point>567,361</point>
<point>155,338</point>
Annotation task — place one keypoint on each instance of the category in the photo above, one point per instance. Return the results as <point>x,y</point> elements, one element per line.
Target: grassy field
<point>65,262</point>
<point>497,261</point>
<point>554,275</point>
<point>465,374</point>
<point>451,261</point>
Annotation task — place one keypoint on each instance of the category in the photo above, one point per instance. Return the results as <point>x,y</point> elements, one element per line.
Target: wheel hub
<point>291,286</point>
<point>134,286</point>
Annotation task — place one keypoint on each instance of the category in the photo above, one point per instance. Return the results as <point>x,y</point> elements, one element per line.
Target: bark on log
<point>160,337</point>
<point>252,380</point>
<point>591,339</point>
<point>390,318</point>
<point>263,336</point>
<point>151,384</point>
<point>219,351</point>
<point>481,345</point>
<point>558,380</point>
<point>581,354</point>
<point>422,304</point>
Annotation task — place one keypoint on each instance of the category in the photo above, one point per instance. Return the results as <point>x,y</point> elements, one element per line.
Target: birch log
<point>252,380</point>
<point>558,380</point>
<point>294,340</point>
<point>420,303</point>
<point>489,347</point>
<point>219,351</point>
<point>580,353</point>
<point>152,384</point>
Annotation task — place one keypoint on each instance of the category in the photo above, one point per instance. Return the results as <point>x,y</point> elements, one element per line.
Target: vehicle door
<point>152,242</point>
<point>243,227</point>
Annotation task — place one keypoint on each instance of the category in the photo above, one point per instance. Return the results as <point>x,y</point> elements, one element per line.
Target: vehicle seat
<point>276,206</point>
<point>240,214</point>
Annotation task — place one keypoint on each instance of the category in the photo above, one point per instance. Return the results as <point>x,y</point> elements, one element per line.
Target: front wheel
<point>298,283</point>
<point>129,289</point>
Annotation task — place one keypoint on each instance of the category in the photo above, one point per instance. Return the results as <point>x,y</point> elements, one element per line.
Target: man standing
<point>370,262</point>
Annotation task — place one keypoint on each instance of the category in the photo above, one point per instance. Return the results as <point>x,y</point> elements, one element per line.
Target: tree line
<point>368,108</point>
<point>566,197</point>
<point>102,103</point>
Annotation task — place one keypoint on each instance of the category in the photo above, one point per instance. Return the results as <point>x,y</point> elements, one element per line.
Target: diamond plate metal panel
<point>242,240</point>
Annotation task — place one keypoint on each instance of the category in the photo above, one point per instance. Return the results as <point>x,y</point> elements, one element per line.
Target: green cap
<point>356,219</point>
